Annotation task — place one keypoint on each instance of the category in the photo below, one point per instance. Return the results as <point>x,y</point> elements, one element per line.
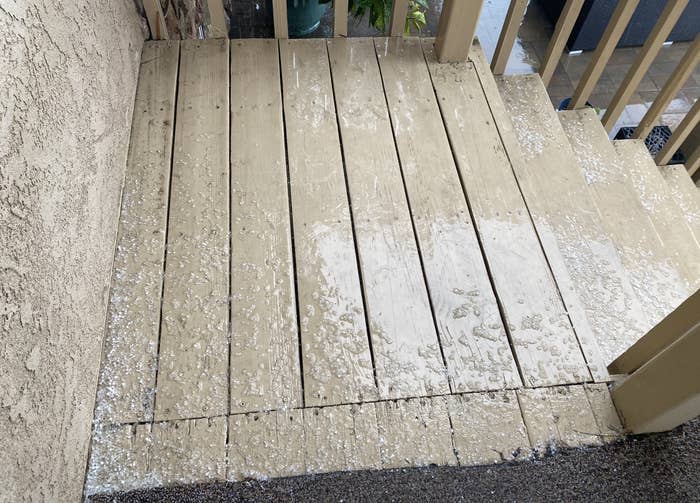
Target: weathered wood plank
<point>340,18</point>
<point>487,428</point>
<point>535,315</point>
<point>471,332</point>
<point>193,360</point>
<point>663,211</point>
<point>341,438</point>
<point>265,371</point>
<point>266,445</point>
<point>415,432</point>
<point>509,31</point>
<point>653,276</point>
<point>279,15</point>
<point>336,356</point>
<point>565,24</point>
<point>128,375</point>
<point>407,355</point>
<point>685,193</point>
<point>604,411</point>
<point>592,280</point>
<point>558,416</point>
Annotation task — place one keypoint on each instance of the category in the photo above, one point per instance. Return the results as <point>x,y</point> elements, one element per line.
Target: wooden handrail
<point>565,24</point>
<point>456,29</point>
<point>670,90</point>
<point>279,14</point>
<point>506,40</point>
<point>650,49</point>
<point>340,18</point>
<point>616,26</point>
<point>689,122</point>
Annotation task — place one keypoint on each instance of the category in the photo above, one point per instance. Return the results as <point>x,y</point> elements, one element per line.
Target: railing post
<point>398,18</point>
<point>340,18</point>
<point>156,20</point>
<point>662,389</point>
<point>506,39</point>
<point>616,27</point>
<point>456,29</point>
<point>692,163</point>
<point>279,14</point>
<point>689,122</point>
<point>565,24</point>
<point>650,49</point>
<point>670,90</point>
<point>217,17</point>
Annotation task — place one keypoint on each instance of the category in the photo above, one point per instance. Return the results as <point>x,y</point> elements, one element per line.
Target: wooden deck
<point>341,254</point>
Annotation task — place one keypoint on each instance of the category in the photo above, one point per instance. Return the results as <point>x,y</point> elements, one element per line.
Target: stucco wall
<point>68,71</point>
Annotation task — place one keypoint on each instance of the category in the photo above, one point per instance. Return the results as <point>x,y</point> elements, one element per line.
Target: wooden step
<point>595,286</point>
<point>662,209</point>
<point>685,193</point>
<point>654,277</point>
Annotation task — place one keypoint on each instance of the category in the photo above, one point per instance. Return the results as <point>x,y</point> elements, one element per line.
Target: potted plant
<point>305,15</point>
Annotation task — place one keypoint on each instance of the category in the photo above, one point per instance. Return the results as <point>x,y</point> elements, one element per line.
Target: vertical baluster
<point>565,25</point>
<point>616,26</point>
<point>679,135</point>
<point>156,20</point>
<point>217,16</point>
<point>506,39</point>
<point>398,18</point>
<point>340,18</point>
<point>279,14</point>
<point>457,28</point>
<point>649,51</point>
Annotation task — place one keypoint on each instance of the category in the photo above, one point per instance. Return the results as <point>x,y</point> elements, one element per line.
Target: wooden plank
<point>670,90</point>
<point>217,18</point>
<point>654,277</point>
<point>667,20</point>
<point>193,360</point>
<point>604,411</point>
<point>156,20</point>
<point>562,30</point>
<point>663,211</point>
<point>487,428</point>
<point>399,12</point>
<point>187,452</point>
<point>687,125</point>
<point>616,26</point>
<point>665,392</point>
<point>560,416</point>
<point>341,438</point>
<point>534,312</point>
<point>685,194</point>
<point>456,30</point>
<point>131,342</point>
<point>265,372</point>
<point>509,31</point>
<point>279,14</point>
<point>594,284</point>
<point>415,432</point>
<point>471,332</point>
<point>265,445</point>
<point>407,354</point>
<point>679,322</point>
<point>336,356</point>
<point>340,18</point>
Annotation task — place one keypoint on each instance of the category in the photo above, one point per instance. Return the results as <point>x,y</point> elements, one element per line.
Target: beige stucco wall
<point>68,71</point>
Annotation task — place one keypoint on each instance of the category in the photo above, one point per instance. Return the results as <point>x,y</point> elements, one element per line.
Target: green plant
<point>380,13</point>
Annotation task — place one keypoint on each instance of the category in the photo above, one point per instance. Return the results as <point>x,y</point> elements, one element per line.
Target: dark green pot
<point>304,16</point>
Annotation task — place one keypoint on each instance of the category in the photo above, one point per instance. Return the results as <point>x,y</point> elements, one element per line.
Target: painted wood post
<point>156,20</point>
<point>616,26</point>
<point>340,18</point>
<point>662,390</point>
<point>692,164</point>
<point>563,29</point>
<point>689,122</point>
<point>456,30</point>
<point>670,90</point>
<point>279,14</point>
<point>217,17</point>
<point>398,18</point>
<point>650,49</point>
<point>506,39</point>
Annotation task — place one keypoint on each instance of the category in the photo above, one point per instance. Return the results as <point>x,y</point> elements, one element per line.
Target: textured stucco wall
<point>68,72</point>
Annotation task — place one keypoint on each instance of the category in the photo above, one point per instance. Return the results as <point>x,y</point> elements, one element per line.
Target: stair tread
<point>655,279</point>
<point>583,258</point>
<point>685,193</point>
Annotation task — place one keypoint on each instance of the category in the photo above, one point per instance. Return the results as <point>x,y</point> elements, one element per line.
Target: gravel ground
<point>659,467</point>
